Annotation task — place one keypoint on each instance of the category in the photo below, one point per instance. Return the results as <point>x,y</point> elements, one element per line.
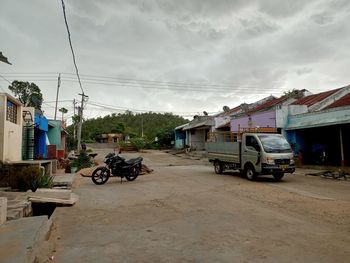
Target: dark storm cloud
<point>257,47</point>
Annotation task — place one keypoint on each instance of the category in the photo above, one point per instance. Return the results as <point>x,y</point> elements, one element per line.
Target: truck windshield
<point>274,144</point>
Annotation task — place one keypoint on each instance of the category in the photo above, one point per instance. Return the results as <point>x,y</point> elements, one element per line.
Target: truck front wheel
<point>218,167</point>
<point>249,172</point>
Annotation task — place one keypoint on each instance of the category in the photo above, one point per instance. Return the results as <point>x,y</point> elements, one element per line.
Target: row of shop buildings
<point>26,134</point>
<point>316,125</point>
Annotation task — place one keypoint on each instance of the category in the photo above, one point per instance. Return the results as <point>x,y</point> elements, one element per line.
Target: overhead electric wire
<point>136,82</point>
<point>71,46</point>
<point>5,80</point>
<point>111,107</point>
<point>160,86</point>
<point>128,79</point>
<point>132,80</point>
<point>151,84</point>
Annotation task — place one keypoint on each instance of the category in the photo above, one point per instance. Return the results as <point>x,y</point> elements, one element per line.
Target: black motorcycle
<point>119,167</point>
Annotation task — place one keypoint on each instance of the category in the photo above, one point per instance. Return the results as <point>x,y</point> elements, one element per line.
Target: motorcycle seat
<point>134,160</point>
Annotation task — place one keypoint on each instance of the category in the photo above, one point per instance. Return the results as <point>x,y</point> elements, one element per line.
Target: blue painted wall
<point>180,138</point>
<point>40,133</point>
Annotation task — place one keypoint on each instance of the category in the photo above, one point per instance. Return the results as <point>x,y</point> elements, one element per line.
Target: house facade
<point>197,132</point>
<point>10,128</point>
<point>180,137</point>
<point>261,115</point>
<point>57,138</point>
<point>320,134</point>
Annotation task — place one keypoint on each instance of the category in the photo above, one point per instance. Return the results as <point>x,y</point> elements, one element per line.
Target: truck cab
<point>265,153</point>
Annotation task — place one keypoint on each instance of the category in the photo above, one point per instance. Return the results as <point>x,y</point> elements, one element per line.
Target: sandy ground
<point>184,212</point>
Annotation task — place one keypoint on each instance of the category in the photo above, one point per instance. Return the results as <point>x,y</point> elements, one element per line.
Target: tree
<point>294,93</point>
<point>27,93</point>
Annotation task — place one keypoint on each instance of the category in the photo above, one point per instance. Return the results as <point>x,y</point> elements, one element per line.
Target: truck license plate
<point>284,166</point>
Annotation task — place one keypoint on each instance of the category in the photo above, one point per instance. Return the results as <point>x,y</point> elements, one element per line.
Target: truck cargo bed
<point>224,151</point>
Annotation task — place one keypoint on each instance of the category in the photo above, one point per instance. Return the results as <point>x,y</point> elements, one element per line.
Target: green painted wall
<point>54,133</point>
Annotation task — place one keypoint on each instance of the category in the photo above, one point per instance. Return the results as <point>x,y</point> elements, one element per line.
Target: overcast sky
<point>181,56</point>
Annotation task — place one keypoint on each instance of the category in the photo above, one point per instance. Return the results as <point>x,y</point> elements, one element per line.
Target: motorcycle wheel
<point>100,175</point>
<point>134,172</point>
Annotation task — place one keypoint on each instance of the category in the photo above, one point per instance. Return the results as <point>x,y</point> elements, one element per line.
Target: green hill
<point>154,124</point>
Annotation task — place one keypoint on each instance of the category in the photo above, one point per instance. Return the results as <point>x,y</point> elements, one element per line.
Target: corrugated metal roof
<point>268,104</point>
<point>181,126</point>
<point>313,99</point>
<point>343,101</point>
<point>200,122</point>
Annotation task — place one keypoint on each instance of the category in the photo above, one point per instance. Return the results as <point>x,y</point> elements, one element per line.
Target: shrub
<point>122,144</point>
<point>83,161</point>
<point>138,143</point>
<point>44,181</point>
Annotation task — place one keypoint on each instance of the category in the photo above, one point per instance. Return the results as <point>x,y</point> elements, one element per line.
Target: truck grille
<point>282,161</point>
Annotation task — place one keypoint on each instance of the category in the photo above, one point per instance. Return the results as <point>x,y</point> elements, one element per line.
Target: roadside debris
<point>145,169</point>
<point>340,175</point>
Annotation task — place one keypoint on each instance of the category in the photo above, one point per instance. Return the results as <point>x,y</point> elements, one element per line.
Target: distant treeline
<point>129,123</point>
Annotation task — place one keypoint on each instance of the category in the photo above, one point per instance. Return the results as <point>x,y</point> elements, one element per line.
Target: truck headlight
<point>291,160</point>
<point>269,160</point>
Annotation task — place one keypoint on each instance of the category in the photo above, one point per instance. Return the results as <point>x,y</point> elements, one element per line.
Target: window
<point>275,143</point>
<point>11,112</point>
<point>252,142</point>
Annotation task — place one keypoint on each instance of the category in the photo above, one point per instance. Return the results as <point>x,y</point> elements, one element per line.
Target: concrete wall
<point>10,133</point>
<point>283,113</point>
<point>197,139</point>
<point>261,119</point>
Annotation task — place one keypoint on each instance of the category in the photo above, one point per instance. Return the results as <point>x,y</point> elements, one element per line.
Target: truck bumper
<point>274,168</point>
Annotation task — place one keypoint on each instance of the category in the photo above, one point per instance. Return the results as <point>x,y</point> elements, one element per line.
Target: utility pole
<point>80,112</point>
<point>142,126</point>
<point>58,88</point>
<point>74,124</point>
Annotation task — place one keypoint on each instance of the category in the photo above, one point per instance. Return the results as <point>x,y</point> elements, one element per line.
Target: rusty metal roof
<point>315,98</point>
<point>268,104</point>
<point>343,101</point>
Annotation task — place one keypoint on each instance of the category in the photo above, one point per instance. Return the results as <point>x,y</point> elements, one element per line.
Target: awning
<point>319,119</point>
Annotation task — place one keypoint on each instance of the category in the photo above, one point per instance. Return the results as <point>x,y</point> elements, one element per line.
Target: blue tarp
<point>41,122</point>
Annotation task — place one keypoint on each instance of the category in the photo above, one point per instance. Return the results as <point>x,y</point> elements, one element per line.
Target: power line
<point>128,79</point>
<point>159,86</point>
<point>70,44</point>
<point>111,107</point>
<point>53,101</point>
<point>5,80</point>
<point>139,83</point>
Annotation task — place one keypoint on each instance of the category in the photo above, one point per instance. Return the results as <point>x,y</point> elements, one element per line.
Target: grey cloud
<point>256,27</point>
<point>283,9</point>
<point>256,47</point>
<point>303,71</point>
<point>322,18</point>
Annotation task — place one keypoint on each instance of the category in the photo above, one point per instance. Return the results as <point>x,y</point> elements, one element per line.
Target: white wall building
<point>10,128</point>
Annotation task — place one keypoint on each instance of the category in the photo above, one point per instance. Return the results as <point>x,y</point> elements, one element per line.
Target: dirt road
<point>183,212</point>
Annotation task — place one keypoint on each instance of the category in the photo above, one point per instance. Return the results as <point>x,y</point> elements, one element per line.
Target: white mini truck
<point>252,153</point>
